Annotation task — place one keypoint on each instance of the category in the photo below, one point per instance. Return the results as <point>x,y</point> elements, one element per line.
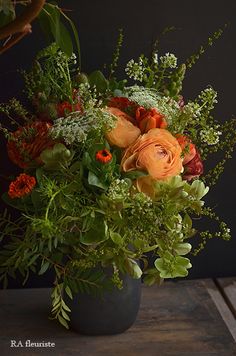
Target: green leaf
<point>33,259</point>
<point>39,175</point>
<point>64,315</point>
<point>133,268</point>
<point>187,221</point>
<point>75,36</point>
<point>182,248</point>
<point>97,233</point>
<point>36,198</point>
<point>54,158</point>
<point>68,292</point>
<point>44,267</point>
<point>64,41</point>
<point>134,174</point>
<point>53,14</point>
<point>95,181</point>
<point>44,22</point>
<point>183,262</point>
<point>199,189</point>
<point>116,238</point>
<point>152,276</point>
<point>7,8</point>
<point>171,266</point>
<point>15,203</point>
<point>98,80</point>
<point>75,166</point>
<point>150,248</point>
<point>63,322</point>
<point>6,18</point>
<point>65,306</point>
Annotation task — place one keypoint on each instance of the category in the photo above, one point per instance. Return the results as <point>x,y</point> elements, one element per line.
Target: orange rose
<point>188,146</point>
<point>124,133</point>
<point>149,119</point>
<point>157,152</point>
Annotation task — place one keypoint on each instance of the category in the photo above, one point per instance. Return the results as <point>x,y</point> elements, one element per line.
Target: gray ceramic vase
<point>112,312</point>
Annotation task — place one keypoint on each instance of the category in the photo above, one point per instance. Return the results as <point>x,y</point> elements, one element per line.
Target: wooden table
<point>190,318</point>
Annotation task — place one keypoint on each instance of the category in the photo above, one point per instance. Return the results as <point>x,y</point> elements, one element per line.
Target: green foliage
<point>7,12</point>
<point>50,79</point>
<point>171,266</point>
<point>196,56</point>
<point>116,54</point>
<point>49,19</point>
<point>54,158</point>
<point>97,232</point>
<point>96,79</point>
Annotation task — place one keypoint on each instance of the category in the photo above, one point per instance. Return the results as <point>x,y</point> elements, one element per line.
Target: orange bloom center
<point>104,156</point>
<point>22,186</point>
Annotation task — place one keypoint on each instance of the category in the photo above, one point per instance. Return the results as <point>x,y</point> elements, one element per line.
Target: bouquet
<point>111,173</point>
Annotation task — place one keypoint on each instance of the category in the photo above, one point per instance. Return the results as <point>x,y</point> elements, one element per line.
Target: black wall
<point>143,21</point>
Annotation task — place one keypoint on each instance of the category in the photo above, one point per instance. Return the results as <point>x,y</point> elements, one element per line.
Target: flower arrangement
<point>111,173</point>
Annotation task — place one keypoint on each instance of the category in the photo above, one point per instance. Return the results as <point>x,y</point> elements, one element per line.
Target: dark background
<point>143,21</point>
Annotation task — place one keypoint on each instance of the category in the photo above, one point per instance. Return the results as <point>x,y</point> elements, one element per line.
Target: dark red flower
<point>65,108</point>
<point>104,156</point>
<point>122,103</point>
<point>26,144</point>
<point>22,186</point>
<point>193,168</point>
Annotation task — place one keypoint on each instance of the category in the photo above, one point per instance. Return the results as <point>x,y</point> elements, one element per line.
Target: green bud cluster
<point>174,86</point>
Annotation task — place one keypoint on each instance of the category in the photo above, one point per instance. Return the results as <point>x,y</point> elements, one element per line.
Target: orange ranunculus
<point>188,147</point>
<point>26,144</point>
<point>124,133</point>
<point>157,152</point>
<point>149,119</point>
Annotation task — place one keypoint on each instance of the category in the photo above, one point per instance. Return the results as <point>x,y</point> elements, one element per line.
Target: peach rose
<point>157,152</point>
<point>124,133</point>
<point>149,119</point>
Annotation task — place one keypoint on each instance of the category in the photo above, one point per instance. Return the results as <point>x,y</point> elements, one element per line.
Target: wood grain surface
<point>176,319</point>
<point>228,288</point>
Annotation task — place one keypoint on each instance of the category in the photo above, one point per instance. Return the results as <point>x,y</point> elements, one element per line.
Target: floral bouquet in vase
<point>111,172</point>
